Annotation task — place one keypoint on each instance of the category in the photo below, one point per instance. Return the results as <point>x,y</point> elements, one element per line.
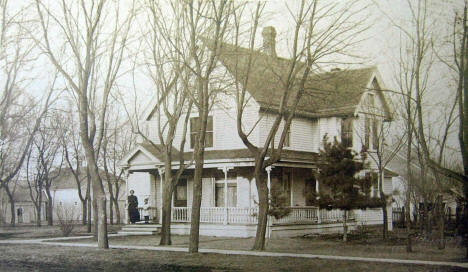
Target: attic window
<point>347,132</point>
<point>195,127</point>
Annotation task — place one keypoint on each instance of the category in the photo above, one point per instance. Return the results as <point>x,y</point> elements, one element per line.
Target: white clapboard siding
<point>388,186</point>
<point>242,192</point>
<point>303,132</point>
<point>207,192</point>
<point>329,126</point>
<point>305,135</point>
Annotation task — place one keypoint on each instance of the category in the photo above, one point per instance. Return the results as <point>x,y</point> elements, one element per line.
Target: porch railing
<point>219,215</point>
<point>238,215</point>
<point>299,215</point>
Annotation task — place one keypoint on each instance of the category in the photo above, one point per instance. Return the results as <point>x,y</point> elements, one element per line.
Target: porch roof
<point>157,156</point>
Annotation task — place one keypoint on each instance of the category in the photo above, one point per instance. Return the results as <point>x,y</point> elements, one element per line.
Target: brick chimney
<point>269,40</point>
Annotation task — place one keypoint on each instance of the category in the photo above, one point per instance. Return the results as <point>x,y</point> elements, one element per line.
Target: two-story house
<point>347,104</point>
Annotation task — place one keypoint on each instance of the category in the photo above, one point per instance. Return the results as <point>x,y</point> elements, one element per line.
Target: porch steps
<point>140,229</point>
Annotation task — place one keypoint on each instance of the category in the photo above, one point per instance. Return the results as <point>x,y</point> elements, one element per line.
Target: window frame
<point>193,134</point>
<point>347,131</point>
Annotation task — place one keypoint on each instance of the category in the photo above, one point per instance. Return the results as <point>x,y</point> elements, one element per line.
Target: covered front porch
<point>229,204</point>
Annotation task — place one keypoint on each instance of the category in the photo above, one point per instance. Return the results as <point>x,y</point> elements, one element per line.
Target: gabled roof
<point>335,93</point>
<point>154,152</point>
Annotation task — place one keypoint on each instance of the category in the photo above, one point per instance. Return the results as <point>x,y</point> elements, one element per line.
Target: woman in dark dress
<point>133,213</point>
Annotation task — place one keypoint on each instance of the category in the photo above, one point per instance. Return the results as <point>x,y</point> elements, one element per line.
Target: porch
<point>242,222</point>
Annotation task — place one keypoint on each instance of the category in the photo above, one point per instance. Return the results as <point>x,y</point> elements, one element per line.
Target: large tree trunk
<point>196,203</point>
<point>441,223</point>
<point>166,216</point>
<point>89,209</point>
<point>117,211</point>
<point>262,188</point>
<point>50,207</point>
<point>111,211</point>
<point>383,197</point>
<point>103,241</point>
<point>95,217</point>
<point>385,221</point>
<point>409,245</point>
<point>345,226</point>
<point>84,206</point>
<point>39,217</point>
<point>12,206</point>
<point>13,213</point>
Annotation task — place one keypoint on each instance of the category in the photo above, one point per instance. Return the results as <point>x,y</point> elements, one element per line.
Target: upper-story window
<point>371,133</point>
<point>366,132</point>
<point>347,132</point>
<point>195,127</point>
<point>375,134</point>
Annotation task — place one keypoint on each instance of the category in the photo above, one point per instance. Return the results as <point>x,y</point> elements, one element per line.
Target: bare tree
<point>95,48</point>
<point>317,36</point>
<point>74,157</point>
<point>118,141</point>
<point>20,113</point>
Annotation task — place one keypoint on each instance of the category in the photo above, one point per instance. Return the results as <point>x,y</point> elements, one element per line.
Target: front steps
<point>140,229</point>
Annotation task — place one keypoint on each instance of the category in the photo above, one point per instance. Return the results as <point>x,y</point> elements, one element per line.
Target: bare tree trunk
<point>111,211</point>
<point>38,217</point>
<point>12,206</point>
<point>89,209</point>
<point>385,221</point>
<point>383,197</point>
<point>345,226</point>
<point>84,206</point>
<point>441,223</point>
<point>409,246</point>
<point>196,202</point>
<point>166,215</point>
<point>50,206</point>
<point>95,217</point>
<point>103,242</point>
<point>13,213</point>
<point>117,211</point>
<point>259,243</point>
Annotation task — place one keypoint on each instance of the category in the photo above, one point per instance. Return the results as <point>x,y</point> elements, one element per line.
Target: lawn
<point>371,246</point>
<point>54,258</point>
<point>32,231</point>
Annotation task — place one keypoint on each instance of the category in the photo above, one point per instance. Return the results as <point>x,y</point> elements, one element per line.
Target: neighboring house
<point>347,104</point>
<point>25,211</point>
<point>451,193</point>
<point>64,192</point>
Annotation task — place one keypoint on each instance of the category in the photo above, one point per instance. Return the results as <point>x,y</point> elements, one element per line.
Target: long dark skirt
<point>134,215</point>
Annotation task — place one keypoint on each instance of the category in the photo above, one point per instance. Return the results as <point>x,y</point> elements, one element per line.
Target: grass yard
<point>372,246</point>
<point>32,231</point>
<point>52,258</point>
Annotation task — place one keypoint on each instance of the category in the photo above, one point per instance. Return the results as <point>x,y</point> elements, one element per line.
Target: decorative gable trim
<point>125,162</point>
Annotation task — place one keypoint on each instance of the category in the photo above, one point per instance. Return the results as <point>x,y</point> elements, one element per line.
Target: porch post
<point>126,173</point>
<point>225,169</point>
<point>317,190</point>
<point>160,173</point>
<point>268,170</point>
